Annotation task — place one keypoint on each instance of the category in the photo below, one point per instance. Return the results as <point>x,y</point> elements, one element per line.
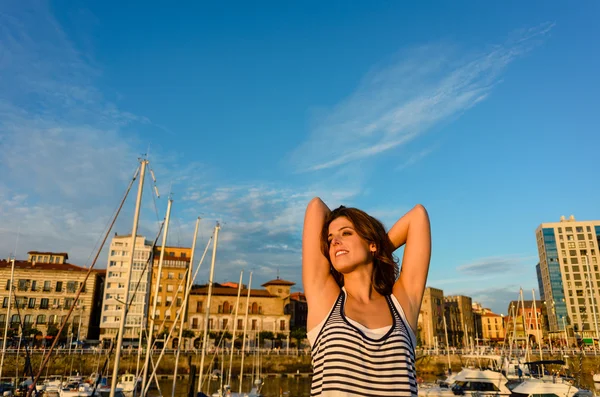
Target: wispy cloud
<point>396,103</point>
<point>416,157</point>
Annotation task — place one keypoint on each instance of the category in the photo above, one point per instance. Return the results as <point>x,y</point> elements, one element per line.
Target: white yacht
<point>471,382</point>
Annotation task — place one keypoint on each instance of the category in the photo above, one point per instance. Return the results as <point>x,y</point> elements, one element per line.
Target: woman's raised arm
<point>414,231</point>
<point>319,285</point>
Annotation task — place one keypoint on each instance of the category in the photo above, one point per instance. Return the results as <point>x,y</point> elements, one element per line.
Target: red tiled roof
<point>278,282</point>
<point>228,291</point>
<point>42,266</point>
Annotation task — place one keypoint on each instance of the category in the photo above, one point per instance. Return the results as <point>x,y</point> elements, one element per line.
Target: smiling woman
<point>362,311</point>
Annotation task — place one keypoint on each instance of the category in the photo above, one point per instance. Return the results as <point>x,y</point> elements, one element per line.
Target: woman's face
<point>347,250</point>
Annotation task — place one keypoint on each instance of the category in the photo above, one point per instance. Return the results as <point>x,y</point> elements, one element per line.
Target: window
<point>574,260</point>
<point>183,255</point>
<point>581,244</point>
<point>194,323</point>
<point>44,303</point>
<point>254,324</point>
<point>59,286</point>
<point>571,244</point>
<point>573,252</point>
<point>47,286</point>
<point>169,288</point>
<point>579,229</point>
<point>581,237</point>
<point>171,276</point>
<point>68,303</point>
<point>72,286</point>
<point>224,323</point>
<point>5,302</point>
<point>33,285</point>
<point>41,319</point>
<point>8,284</point>
<point>31,303</point>
<point>282,325</point>
<point>240,324</point>
<point>23,285</point>
<point>180,276</point>
<point>178,302</point>
<point>198,306</point>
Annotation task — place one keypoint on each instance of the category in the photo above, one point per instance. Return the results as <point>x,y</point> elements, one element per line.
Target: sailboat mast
<point>10,292</point>
<point>184,308</point>
<point>235,319</point>
<point>245,333</point>
<point>206,317</point>
<point>150,332</point>
<point>121,330</point>
<point>447,345</point>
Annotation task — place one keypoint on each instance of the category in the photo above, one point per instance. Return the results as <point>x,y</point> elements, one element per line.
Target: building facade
<point>569,276</point>
<point>120,251</point>
<point>464,306</point>
<point>265,309</point>
<point>297,308</point>
<point>171,286</point>
<point>431,318</point>
<point>43,292</point>
<point>526,319</point>
<point>489,326</point>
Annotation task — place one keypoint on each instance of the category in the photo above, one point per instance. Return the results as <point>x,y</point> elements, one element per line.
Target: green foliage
<point>188,333</point>
<point>265,335</point>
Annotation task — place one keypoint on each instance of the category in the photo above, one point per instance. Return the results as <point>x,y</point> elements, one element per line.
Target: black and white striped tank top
<point>346,362</point>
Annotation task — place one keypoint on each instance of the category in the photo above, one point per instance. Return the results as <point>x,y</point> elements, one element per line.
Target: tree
<point>188,333</point>
<point>264,335</point>
<point>299,334</point>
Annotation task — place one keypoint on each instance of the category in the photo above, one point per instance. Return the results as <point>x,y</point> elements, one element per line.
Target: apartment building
<point>119,257</point>
<point>171,286</point>
<point>43,291</point>
<point>568,275</point>
<point>266,308</point>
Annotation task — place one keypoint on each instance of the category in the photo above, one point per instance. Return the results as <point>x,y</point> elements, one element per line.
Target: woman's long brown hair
<point>385,265</point>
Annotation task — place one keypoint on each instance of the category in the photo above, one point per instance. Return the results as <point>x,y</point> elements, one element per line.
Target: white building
<point>114,287</point>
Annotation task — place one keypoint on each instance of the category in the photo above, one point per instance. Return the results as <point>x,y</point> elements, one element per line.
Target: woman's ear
<point>373,248</point>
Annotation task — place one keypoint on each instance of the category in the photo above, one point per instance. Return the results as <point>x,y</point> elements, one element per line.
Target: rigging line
<point>81,286</point>
<point>108,223</point>
<point>155,191</point>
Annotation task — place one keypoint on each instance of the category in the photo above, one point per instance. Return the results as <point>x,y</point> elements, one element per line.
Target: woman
<point>362,312</point>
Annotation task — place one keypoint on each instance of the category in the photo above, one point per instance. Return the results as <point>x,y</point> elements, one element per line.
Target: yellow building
<point>265,309</point>
<point>171,285</point>
<point>44,289</point>
<point>568,275</point>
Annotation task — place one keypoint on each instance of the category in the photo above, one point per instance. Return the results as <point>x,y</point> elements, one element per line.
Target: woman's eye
<point>346,233</point>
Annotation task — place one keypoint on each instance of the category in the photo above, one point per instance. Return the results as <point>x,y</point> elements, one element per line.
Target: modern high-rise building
<point>114,288</point>
<point>568,275</point>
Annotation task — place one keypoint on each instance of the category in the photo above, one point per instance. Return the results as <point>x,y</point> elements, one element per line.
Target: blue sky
<point>482,112</point>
